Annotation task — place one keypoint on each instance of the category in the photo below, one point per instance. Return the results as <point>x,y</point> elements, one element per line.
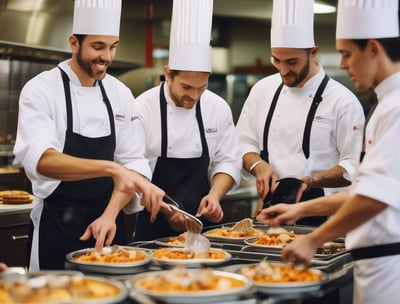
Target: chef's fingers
<point>259,207</point>
<point>87,234</point>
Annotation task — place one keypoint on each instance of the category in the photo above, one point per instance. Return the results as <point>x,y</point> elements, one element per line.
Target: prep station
<point>334,289</point>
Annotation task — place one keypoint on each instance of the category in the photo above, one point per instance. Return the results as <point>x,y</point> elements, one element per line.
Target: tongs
<point>192,223</point>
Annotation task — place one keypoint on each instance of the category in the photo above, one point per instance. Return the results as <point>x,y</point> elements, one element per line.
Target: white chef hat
<point>190,37</point>
<point>292,24</point>
<point>97,17</point>
<point>360,19</point>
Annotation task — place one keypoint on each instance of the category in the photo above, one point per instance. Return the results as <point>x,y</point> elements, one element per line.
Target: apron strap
<point>264,153</point>
<point>67,94</point>
<point>371,110</point>
<point>310,117</point>
<point>375,251</point>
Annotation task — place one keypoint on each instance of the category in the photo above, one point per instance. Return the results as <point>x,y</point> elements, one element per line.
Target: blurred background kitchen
<point>34,37</point>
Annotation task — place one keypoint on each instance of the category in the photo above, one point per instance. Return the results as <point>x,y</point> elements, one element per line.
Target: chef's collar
<point>66,67</point>
<point>386,86</point>
<point>311,84</point>
<point>170,100</point>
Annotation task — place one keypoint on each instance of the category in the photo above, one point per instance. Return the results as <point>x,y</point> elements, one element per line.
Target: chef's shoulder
<point>342,94</point>
<point>112,85</point>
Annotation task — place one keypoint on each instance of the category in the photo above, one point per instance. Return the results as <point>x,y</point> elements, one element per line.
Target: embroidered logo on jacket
<point>211,130</point>
<point>119,117</point>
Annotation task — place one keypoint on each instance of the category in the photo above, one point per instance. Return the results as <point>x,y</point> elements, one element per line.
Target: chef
<point>79,144</point>
<point>367,36</point>
<point>190,135</point>
<point>299,122</point>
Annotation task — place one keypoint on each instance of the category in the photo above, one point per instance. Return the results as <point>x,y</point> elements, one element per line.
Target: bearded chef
<point>190,134</point>
<point>79,144</point>
<point>299,122</point>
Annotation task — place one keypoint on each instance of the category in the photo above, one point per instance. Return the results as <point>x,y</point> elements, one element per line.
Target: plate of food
<point>172,241</point>
<point>275,278</point>
<point>273,238</point>
<point>186,257</point>
<point>60,287</point>
<point>182,285</point>
<point>112,260</point>
<point>14,197</point>
<point>236,234</point>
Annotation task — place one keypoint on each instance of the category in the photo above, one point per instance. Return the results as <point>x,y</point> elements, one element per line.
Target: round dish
<point>190,262</point>
<point>251,242</point>
<point>286,287</point>
<point>168,242</point>
<point>201,296</point>
<point>229,239</point>
<point>70,288</point>
<point>109,268</point>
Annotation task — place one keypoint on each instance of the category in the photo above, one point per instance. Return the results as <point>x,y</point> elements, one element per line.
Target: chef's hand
<point>130,181</point>
<point>210,208</point>
<point>103,230</point>
<point>3,267</point>
<point>176,221</point>
<point>300,251</point>
<point>279,214</point>
<point>266,179</point>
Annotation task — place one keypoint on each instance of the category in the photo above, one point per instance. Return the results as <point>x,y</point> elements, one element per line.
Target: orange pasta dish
<point>181,280</point>
<point>177,240</point>
<point>265,272</point>
<point>184,254</point>
<point>276,237</point>
<point>56,289</point>
<point>116,255</point>
<point>243,228</point>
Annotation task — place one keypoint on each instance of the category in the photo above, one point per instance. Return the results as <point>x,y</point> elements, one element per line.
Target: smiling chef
<point>79,144</point>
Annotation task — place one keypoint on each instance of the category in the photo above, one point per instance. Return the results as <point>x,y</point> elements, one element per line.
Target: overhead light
<point>323,8</point>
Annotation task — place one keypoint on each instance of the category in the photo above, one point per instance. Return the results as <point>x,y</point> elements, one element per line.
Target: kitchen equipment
<point>192,223</point>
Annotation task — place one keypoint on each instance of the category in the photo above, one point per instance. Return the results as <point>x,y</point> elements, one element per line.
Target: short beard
<point>84,65</point>
<point>302,74</point>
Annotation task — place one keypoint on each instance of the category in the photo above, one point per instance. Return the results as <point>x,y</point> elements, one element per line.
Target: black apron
<point>313,192</point>
<point>184,179</point>
<point>74,205</point>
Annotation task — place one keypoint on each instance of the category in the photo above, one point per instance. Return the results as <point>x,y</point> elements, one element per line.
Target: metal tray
<point>193,262</point>
<point>193,296</point>
<point>109,268</point>
<point>290,287</point>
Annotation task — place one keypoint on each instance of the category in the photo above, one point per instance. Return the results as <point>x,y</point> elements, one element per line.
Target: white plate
<point>251,242</point>
<point>228,239</point>
<point>291,287</point>
<point>109,268</point>
<point>193,262</point>
<point>175,297</point>
<point>165,241</point>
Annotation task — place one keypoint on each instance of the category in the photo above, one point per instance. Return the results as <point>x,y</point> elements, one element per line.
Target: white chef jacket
<point>336,132</point>
<point>42,124</point>
<point>378,177</point>
<point>183,131</point>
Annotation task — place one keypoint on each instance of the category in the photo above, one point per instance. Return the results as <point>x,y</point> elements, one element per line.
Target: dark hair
<point>80,37</point>
<point>391,46</point>
<point>173,73</point>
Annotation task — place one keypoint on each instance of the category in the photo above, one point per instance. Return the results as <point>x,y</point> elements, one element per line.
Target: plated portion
<point>180,285</point>
<point>183,256</point>
<point>13,197</point>
<point>273,237</point>
<point>277,277</point>
<point>113,259</point>
<point>172,241</point>
<point>240,231</point>
<point>60,288</point>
